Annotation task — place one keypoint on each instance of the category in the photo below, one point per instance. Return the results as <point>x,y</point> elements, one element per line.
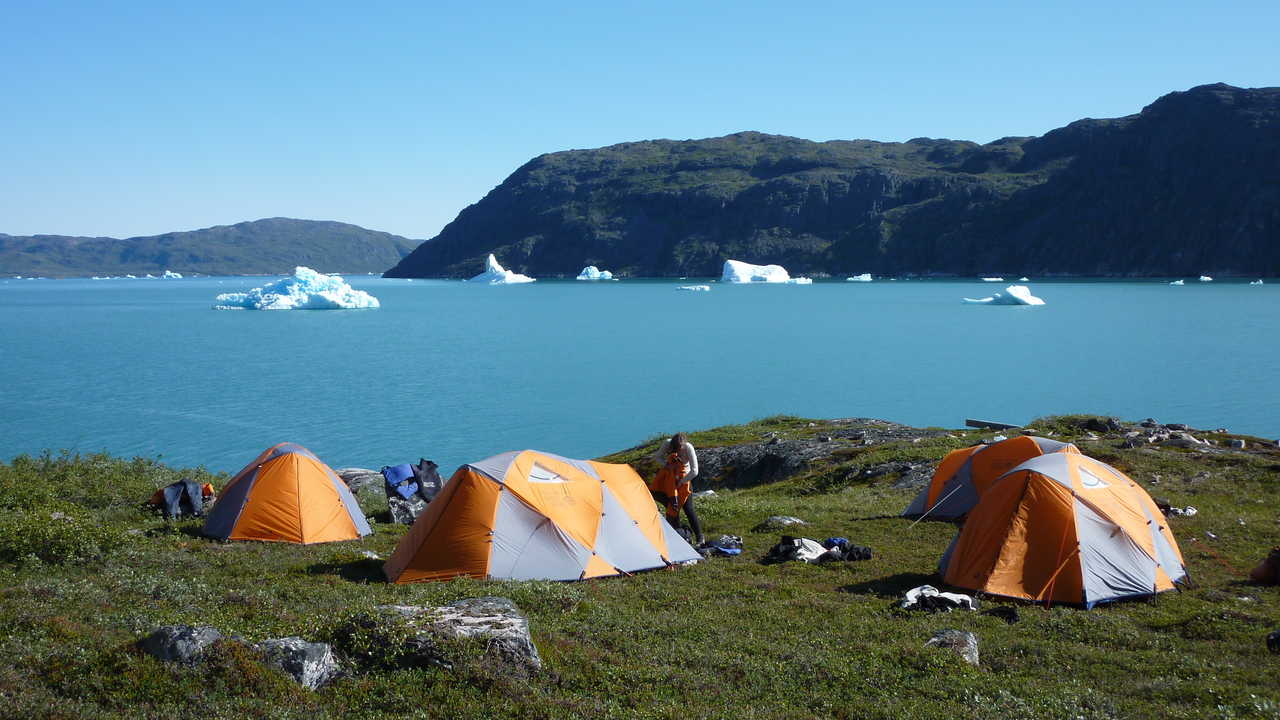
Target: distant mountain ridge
<point>1189,185</point>
<point>273,245</point>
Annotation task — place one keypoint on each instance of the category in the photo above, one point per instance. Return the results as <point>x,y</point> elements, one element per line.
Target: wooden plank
<point>989,425</point>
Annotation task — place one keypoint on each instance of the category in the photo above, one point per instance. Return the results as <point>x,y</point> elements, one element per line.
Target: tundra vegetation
<point>86,571</point>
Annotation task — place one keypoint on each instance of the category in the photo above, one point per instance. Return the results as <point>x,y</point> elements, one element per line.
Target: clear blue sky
<point>128,118</point>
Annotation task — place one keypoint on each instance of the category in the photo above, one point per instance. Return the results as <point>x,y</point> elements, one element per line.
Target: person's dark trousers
<point>674,521</point>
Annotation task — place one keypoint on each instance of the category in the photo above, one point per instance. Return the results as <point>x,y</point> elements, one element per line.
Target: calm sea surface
<point>457,372</point>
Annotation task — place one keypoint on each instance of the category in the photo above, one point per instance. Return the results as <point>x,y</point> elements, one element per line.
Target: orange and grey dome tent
<point>286,495</point>
<point>964,475</point>
<point>532,515</point>
<point>1065,528</point>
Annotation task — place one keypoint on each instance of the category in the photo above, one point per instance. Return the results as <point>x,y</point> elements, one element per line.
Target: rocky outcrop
<point>775,458</point>
<point>1181,188</point>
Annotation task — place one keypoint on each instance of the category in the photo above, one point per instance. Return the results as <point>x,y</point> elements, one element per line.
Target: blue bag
<point>400,479</point>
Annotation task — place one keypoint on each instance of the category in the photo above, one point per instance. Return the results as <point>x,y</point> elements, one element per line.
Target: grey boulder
<point>183,644</point>
<point>311,664</point>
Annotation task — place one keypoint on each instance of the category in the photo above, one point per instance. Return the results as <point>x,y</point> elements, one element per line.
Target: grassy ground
<point>84,572</point>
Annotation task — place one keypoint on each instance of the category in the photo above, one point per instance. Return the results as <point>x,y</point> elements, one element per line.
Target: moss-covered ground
<point>85,571</point>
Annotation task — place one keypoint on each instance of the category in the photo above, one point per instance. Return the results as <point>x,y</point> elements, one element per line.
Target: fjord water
<point>457,372</point>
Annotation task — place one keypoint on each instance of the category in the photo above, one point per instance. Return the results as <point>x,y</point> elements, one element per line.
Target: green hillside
<point>1187,186</point>
<point>274,245</point>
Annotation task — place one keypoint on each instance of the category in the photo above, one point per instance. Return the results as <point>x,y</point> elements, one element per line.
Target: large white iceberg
<point>1205,278</point>
<point>1012,295</point>
<point>1178,282</point>
<point>736,271</point>
<point>591,272</point>
<point>170,275</point>
<point>495,274</point>
<point>864,277</point>
<point>306,289</point>
<point>1256,282</point>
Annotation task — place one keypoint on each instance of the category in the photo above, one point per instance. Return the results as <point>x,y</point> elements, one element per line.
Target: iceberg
<point>1178,282</point>
<point>591,272</point>
<point>864,277</point>
<point>170,275</point>
<point>1024,278</point>
<point>695,288</point>
<point>306,289</point>
<point>992,279</point>
<point>495,274</point>
<point>800,281</point>
<point>1205,278</point>
<point>1012,295</point>
<point>1256,282</point>
<point>736,271</point>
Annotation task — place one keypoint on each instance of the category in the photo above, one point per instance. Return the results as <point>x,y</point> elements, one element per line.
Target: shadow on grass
<point>894,586</point>
<point>365,570</point>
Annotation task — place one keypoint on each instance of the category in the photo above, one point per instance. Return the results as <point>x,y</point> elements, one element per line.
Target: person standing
<point>673,485</point>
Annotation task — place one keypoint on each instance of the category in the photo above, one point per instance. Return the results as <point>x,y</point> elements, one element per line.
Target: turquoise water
<point>457,372</point>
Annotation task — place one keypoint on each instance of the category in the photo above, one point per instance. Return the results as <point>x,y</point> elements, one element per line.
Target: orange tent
<point>533,515</point>
<point>1065,528</point>
<point>286,495</point>
<point>964,475</point>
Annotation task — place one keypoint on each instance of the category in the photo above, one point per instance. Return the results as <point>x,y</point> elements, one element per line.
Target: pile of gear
<point>409,488</point>
<point>725,545</point>
<point>803,549</point>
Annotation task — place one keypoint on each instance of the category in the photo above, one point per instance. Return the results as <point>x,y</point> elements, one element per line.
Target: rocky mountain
<point>1189,185</point>
<point>273,245</point>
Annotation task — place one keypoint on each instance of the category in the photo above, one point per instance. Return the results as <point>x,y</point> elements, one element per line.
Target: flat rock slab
<point>183,644</point>
<point>964,644</point>
<point>495,620</point>
<point>777,522</point>
<point>311,664</point>
<point>358,479</point>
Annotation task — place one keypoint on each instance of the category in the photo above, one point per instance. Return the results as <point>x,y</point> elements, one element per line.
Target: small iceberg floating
<point>992,279</point>
<point>1205,278</point>
<point>591,272</point>
<point>1012,295</point>
<point>800,281</point>
<point>695,288</point>
<point>495,274</point>
<point>1024,279</point>
<point>864,277</point>
<point>306,289</point>
<point>738,272</point>
<point>1256,282</point>
<point>1178,282</point>
<point>170,275</point>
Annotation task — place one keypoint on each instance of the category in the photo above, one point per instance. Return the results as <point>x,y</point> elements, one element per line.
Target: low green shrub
<point>54,534</point>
